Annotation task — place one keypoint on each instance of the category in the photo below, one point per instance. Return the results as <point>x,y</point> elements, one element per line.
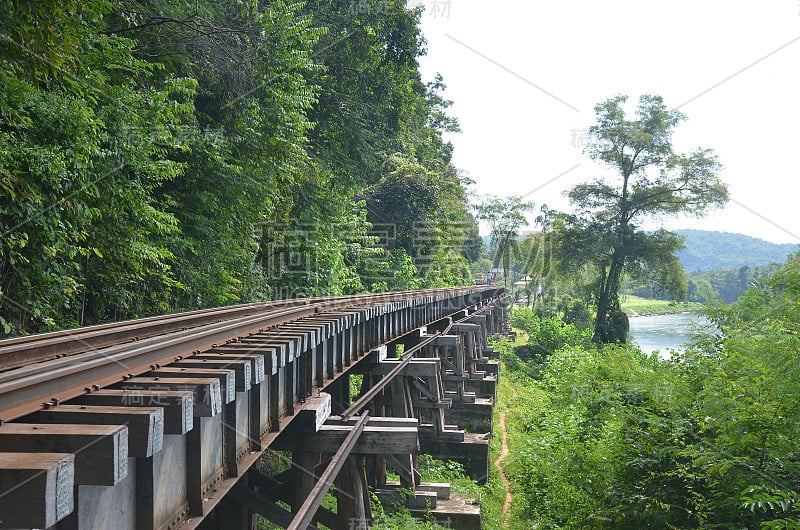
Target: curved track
<point>39,370</point>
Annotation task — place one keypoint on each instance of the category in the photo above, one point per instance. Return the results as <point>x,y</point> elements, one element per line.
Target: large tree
<point>651,181</point>
<point>505,216</point>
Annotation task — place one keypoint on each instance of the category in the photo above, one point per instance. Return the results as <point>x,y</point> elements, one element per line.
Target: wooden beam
<point>376,421</point>
<point>447,340</point>
<point>145,424</point>
<point>373,440</point>
<point>101,451</point>
<point>227,378</point>
<point>376,388</point>
<point>36,489</point>
<point>426,391</point>
<point>466,328</point>
<point>178,405</point>
<point>270,354</point>
<point>257,368</point>
<point>352,497</point>
<point>305,514</point>
<point>315,412</point>
<point>403,468</point>
<point>242,368</point>
<point>313,333</point>
<point>263,506</point>
<point>207,393</point>
<point>290,345</point>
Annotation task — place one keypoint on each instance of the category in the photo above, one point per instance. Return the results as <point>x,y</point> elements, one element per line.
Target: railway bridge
<point>209,419</point>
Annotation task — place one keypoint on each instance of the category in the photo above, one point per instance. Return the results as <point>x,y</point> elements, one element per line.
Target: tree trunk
<point>610,324</point>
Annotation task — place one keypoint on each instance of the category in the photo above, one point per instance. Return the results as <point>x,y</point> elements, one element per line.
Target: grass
<point>513,396</point>
<point>634,305</point>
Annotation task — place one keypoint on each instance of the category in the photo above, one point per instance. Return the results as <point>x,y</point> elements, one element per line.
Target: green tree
<point>87,134</point>
<point>163,155</point>
<point>423,213</point>
<point>750,407</point>
<point>247,161</point>
<point>505,216</point>
<point>652,181</point>
<point>534,258</point>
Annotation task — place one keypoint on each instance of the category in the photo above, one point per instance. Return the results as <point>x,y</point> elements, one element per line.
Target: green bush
<point>606,447</point>
<point>546,335</point>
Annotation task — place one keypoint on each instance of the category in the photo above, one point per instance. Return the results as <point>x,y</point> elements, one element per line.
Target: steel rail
<point>25,390</point>
<point>305,514</point>
<point>21,351</point>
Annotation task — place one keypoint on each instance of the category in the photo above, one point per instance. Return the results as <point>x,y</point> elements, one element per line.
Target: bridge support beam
<point>210,414</point>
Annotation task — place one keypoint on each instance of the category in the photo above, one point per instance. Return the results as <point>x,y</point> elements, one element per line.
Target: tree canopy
<point>650,180</point>
<point>168,155</point>
<point>505,217</point>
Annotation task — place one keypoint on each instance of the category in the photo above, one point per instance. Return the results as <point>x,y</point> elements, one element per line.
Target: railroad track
<point>41,370</point>
<point>30,349</point>
<point>222,384</point>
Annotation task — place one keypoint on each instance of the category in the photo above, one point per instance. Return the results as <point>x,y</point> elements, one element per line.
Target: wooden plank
<point>290,346</point>
<point>257,362</point>
<point>315,411</point>
<point>312,333</point>
<point>145,424</point>
<point>447,340</point>
<point>466,328</point>
<point>178,405</point>
<point>101,451</point>
<point>36,489</point>
<point>207,392</point>
<point>227,378</point>
<point>270,354</point>
<point>373,440</point>
<point>376,421</point>
<point>242,368</point>
<point>414,368</point>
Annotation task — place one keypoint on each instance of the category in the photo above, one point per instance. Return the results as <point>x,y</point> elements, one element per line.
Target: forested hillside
<point>707,251</point>
<point>169,155</point>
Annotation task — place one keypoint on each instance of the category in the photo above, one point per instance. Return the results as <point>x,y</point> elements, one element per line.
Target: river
<point>659,332</point>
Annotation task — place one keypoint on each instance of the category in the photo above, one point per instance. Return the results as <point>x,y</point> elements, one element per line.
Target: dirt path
<point>497,463</point>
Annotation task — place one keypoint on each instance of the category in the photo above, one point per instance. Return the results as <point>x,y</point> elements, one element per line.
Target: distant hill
<point>706,250</point>
<point>722,250</point>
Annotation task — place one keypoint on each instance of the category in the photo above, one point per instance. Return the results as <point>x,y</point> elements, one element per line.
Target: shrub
<point>546,335</point>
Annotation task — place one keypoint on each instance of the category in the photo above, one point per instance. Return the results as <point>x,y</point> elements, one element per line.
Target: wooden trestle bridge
<point>207,419</point>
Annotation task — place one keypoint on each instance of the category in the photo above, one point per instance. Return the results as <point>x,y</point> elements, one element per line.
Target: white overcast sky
<point>525,76</point>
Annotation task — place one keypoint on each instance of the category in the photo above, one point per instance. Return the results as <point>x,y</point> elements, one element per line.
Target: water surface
<point>663,332</point>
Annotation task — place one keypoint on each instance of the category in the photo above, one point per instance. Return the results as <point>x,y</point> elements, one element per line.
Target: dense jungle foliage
<point>614,438</point>
<point>171,155</point>
<point>164,155</point>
